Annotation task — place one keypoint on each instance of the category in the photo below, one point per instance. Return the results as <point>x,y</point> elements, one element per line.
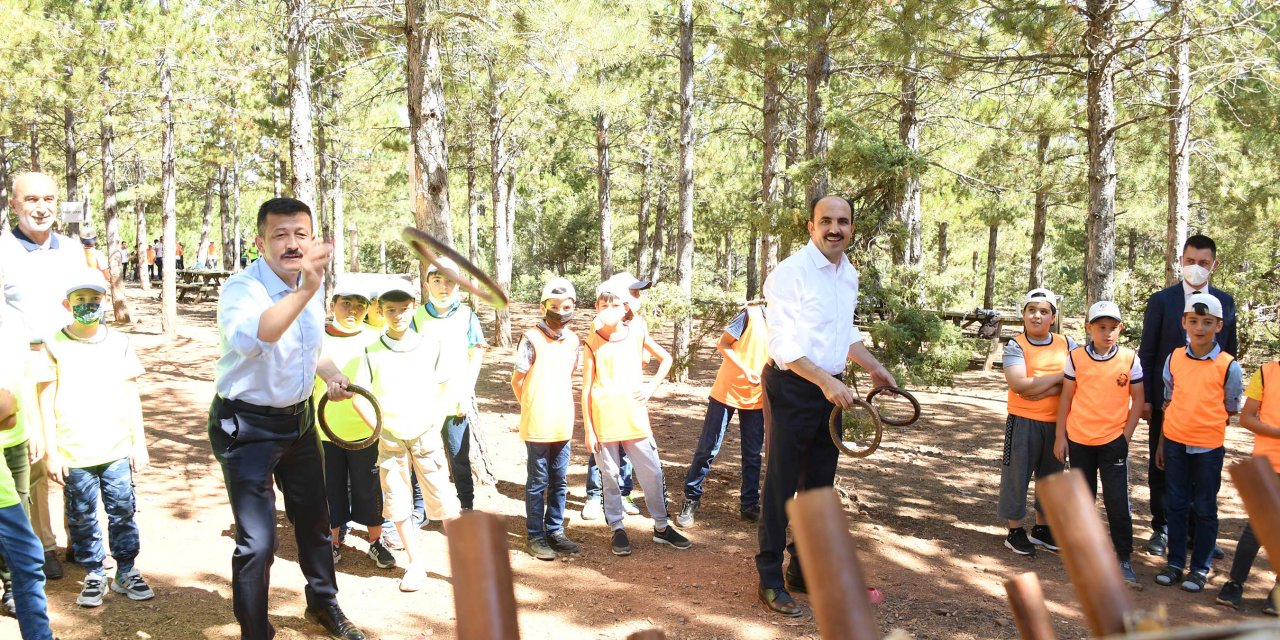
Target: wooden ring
<point>837,432</point>
<point>352,445</point>
<point>915,405</point>
<point>430,249</point>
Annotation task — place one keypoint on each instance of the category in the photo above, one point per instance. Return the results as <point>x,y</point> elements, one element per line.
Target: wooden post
<point>994,350</point>
<point>482,591</point>
<point>1086,551</point>
<point>1260,491</point>
<point>1026,600</point>
<point>837,589</point>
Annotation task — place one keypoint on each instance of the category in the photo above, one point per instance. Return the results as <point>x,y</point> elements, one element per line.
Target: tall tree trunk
<point>989,291</point>
<point>1041,211</point>
<point>644,213</point>
<point>1133,249</point>
<point>302,150</point>
<point>34,147</point>
<point>225,223</point>
<point>817,78</point>
<point>353,257</point>
<point>790,157</point>
<point>680,351</point>
<point>169,200</point>
<point>909,213</point>
<point>140,235</point>
<point>277,162</point>
<point>769,135</point>
<point>604,194</point>
<point>973,274</point>
<point>231,242</point>
<point>657,238</point>
<point>1100,227</point>
<point>206,214</point>
<point>502,248</point>
<point>72,164</point>
<point>943,251</point>
<point>473,198</point>
<point>427,123</point>
<point>753,264</point>
<point>338,211</point>
<point>1179,141</point>
<point>6,178</point>
<point>111,213</point>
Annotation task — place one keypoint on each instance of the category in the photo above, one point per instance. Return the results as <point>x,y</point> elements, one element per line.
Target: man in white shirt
<point>811,297</point>
<point>37,263</point>
<point>261,424</point>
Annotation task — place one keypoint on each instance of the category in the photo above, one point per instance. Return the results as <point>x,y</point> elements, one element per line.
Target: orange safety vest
<point>546,400</point>
<point>1197,414</point>
<point>91,259</point>
<point>619,372</point>
<point>1100,407</point>
<point>1042,360</point>
<point>731,386</point>
<point>1269,413</point>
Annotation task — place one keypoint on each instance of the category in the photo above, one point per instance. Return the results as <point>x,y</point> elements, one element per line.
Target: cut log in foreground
<point>482,589</point>
<point>1026,599</point>
<point>837,589</point>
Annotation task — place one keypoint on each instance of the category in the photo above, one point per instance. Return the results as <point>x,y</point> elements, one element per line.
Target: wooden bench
<point>199,292</point>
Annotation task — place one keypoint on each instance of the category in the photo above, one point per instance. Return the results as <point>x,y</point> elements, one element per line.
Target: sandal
<point>1168,575</point>
<point>1195,581</point>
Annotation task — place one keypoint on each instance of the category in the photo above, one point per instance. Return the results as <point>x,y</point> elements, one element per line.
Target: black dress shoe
<point>52,568</point>
<point>780,602</point>
<point>334,621</point>
<point>795,582</point>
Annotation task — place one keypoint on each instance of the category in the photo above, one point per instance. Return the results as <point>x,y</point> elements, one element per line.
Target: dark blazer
<point>1162,333</point>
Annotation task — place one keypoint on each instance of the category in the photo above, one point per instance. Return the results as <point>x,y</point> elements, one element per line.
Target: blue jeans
<point>456,434</point>
<point>751,425</point>
<point>546,488</point>
<point>1191,482</point>
<point>114,481</point>
<point>594,487</point>
<point>24,554</point>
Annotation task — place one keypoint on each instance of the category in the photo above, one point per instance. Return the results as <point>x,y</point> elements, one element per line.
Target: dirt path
<point>922,509</point>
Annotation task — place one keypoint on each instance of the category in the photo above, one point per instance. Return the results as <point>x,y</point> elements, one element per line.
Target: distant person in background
<point>212,260</point>
<point>202,257</point>
<point>151,262</point>
<point>94,258</point>
<point>178,256</point>
<point>159,260</point>
<point>1162,333</point>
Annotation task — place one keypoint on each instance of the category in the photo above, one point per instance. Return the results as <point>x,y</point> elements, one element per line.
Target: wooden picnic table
<point>200,284</point>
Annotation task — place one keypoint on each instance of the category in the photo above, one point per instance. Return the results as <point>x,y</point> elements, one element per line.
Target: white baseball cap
<point>1212,305</point>
<point>1105,309</point>
<point>347,286</point>
<point>397,284</point>
<point>88,279</point>
<point>448,263</point>
<point>1041,295</point>
<point>557,288</point>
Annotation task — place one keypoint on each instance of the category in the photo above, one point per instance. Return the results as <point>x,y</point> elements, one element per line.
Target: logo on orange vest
<point>1122,380</point>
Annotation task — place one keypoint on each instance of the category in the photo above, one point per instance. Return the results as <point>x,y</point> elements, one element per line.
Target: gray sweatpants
<point>648,470</point>
<point>1028,451</point>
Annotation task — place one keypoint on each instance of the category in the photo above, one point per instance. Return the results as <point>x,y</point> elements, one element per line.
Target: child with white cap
<point>1102,398</point>
<point>1033,364</point>
<point>95,440</point>
<point>1203,388</point>
<point>546,359</point>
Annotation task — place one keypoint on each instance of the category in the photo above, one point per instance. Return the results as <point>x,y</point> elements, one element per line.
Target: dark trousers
<point>1191,486</point>
<point>255,450</point>
<point>595,487</point>
<point>546,488</point>
<point>751,427</point>
<point>456,434</point>
<point>800,456</point>
<point>1155,475</point>
<point>352,484</point>
<point>1111,461</point>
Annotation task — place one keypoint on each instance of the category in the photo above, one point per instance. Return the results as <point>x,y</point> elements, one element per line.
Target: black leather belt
<point>249,407</point>
<point>788,372</point>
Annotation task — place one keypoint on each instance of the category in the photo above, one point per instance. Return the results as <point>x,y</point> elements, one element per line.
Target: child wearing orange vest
<point>1033,365</point>
<point>1102,400</point>
<point>737,388</point>
<point>1203,388</point>
<point>615,415</point>
<point>542,380</point>
<point>1261,415</point>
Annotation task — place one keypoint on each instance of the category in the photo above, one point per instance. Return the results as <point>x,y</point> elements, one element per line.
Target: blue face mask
<point>88,313</point>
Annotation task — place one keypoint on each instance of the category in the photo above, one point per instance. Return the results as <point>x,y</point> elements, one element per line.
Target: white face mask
<point>1196,275</point>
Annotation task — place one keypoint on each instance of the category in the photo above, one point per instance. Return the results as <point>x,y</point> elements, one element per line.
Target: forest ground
<point>922,509</point>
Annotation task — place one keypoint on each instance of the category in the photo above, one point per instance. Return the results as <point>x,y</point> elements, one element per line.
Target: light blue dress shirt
<point>272,374</point>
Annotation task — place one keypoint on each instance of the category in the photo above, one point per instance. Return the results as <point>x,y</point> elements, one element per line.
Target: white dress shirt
<point>36,277</point>
<point>810,303</point>
<point>271,374</point>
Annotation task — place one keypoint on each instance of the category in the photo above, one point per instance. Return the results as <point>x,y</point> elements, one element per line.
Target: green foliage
<point>920,348</point>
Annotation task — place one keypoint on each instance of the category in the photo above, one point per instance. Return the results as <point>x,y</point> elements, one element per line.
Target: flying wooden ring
<point>432,250</point>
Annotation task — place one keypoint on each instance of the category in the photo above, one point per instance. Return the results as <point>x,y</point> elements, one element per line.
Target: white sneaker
<point>132,585</point>
<point>415,577</point>
<point>593,509</point>
<point>629,506</point>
